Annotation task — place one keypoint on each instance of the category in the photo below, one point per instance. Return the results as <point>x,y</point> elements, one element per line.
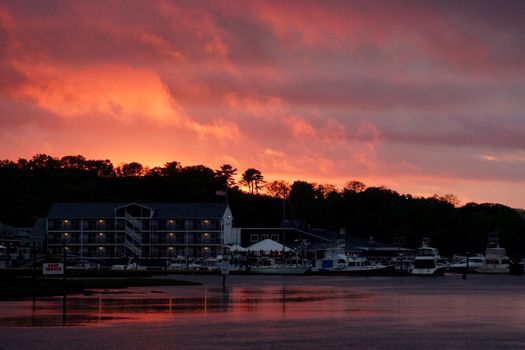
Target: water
<point>276,312</point>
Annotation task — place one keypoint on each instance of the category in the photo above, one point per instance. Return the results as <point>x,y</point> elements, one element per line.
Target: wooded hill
<point>28,187</point>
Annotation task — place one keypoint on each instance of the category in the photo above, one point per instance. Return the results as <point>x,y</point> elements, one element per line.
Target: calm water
<point>275,312</point>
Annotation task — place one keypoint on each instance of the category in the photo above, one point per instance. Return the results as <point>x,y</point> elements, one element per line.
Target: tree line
<point>29,186</point>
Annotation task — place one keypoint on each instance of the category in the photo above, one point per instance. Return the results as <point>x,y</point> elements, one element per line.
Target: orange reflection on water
<point>262,303</point>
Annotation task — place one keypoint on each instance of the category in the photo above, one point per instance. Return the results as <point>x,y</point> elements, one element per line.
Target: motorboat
<point>178,263</point>
<point>130,266</point>
<point>403,265</point>
<point>428,262</point>
<point>4,258</point>
<point>269,266</point>
<point>461,265</point>
<point>496,259</point>
<point>336,262</point>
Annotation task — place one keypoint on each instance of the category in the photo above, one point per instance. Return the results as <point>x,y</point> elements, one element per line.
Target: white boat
<point>178,263</point>
<point>271,267</point>
<point>474,263</point>
<point>336,262</point>
<point>130,266</point>
<point>4,259</point>
<point>403,265</point>
<point>428,262</point>
<point>496,259</point>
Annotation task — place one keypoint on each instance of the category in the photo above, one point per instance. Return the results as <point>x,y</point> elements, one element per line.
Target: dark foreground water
<point>275,312</point>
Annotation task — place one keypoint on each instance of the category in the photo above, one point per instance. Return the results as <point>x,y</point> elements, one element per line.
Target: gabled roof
<point>268,245</point>
<point>162,210</point>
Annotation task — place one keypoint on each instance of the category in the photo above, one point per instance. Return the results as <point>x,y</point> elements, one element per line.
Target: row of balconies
<point>143,245</point>
<point>110,224</point>
<point>75,238</point>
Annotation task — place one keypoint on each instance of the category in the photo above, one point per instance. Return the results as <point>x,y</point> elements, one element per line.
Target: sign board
<point>53,268</point>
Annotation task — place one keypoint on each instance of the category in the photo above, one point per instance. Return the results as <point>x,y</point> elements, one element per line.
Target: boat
<point>403,265</point>
<point>336,262</point>
<point>428,262</point>
<point>461,265</point>
<point>4,258</point>
<point>130,266</point>
<point>268,266</point>
<point>496,259</point>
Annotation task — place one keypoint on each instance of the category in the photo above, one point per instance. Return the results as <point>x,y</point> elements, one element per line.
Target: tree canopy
<point>29,187</point>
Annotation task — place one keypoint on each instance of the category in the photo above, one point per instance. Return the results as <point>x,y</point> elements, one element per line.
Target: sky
<point>423,97</point>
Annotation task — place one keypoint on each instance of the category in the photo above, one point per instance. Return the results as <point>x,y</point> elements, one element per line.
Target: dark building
<point>142,230</point>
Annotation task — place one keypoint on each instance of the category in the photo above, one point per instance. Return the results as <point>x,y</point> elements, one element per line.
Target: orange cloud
<point>268,107</point>
<point>119,92</point>
<point>300,128</point>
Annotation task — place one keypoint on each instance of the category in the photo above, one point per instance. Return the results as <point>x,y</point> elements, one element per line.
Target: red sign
<point>53,268</point>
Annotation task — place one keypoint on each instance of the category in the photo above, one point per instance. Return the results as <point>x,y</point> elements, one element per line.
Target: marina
<point>278,312</point>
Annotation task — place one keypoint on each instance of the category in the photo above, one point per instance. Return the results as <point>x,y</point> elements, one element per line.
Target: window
<point>275,237</point>
<point>264,236</point>
<point>254,238</point>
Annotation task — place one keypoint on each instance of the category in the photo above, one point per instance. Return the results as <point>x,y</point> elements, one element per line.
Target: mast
<point>284,231</point>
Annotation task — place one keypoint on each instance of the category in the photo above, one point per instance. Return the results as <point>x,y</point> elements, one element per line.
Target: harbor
<point>278,312</point>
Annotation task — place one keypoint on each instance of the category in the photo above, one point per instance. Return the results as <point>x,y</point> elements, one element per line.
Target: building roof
<point>161,210</point>
<point>268,245</point>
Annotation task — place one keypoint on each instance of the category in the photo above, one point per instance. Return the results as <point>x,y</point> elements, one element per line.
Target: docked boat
<point>496,259</point>
<point>471,266</point>
<point>428,262</point>
<point>4,258</point>
<point>271,267</point>
<point>336,262</point>
<point>130,266</point>
<point>403,265</point>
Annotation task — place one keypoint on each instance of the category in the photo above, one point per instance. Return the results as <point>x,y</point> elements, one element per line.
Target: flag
<point>220,193</point>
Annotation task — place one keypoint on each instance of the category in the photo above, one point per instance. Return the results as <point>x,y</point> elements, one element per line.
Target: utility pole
<point>64,247</point>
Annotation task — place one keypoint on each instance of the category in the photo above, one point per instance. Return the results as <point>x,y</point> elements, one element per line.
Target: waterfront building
<point>293,234</point>
<point>140,230</point>
<point>21,243</point>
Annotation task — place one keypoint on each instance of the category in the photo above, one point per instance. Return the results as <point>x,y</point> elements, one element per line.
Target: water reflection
<point>138,305</point>
<point>482,312</point>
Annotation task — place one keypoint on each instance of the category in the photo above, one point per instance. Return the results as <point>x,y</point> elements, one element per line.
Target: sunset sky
<point>423,97</point>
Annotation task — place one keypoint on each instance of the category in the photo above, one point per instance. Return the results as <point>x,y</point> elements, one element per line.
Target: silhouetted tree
<point>355,186</point>
<point>131,169</point>
<point>278,188</point>
<point>172,168</point>
<point>226,175</point>
<point>302,191</point>
<point>253,179</point>
<point>73,162</point>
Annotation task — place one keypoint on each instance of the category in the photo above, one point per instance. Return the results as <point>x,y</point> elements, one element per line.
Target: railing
<point>134,235</point>
<point>135,222</point>
<point>131,246</point>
